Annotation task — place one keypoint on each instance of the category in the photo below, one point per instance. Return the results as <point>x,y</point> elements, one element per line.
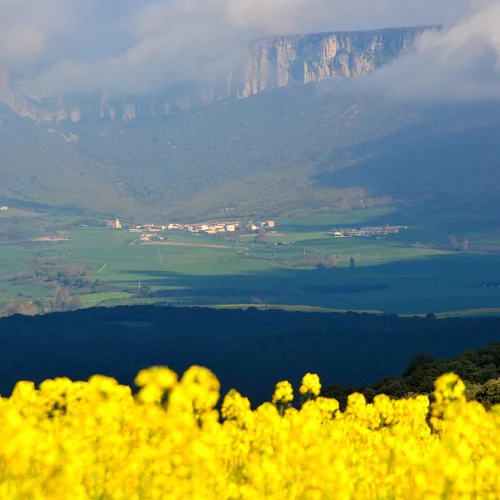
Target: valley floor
<point>300,266</point>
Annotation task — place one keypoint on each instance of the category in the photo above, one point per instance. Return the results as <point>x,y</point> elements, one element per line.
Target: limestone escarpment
<point>272,63</point>
<point>285,60</point>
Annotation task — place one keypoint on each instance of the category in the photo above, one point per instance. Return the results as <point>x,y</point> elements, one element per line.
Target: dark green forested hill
<point>250,350</point>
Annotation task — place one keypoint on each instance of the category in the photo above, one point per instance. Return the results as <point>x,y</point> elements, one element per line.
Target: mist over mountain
<point>126,47</point>
<point>268,64</point>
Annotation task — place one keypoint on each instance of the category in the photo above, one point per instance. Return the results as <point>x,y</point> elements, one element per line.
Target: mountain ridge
<point>272,62</point>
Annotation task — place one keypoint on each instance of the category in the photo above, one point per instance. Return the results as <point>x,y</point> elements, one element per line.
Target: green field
<point>391,275</point>
<point>15,212</point>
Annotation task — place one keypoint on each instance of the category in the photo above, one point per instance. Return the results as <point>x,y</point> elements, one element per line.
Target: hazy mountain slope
<point>328,146</point>
<point>451,157</point>
<point>40,167</point>
<point>258,154</point>
<point>321,147</point>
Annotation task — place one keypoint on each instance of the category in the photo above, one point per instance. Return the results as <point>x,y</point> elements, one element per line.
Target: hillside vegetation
<point>325,147</point>
<point>38,168</point>
<point>310,148</point>
<point>479,369</point>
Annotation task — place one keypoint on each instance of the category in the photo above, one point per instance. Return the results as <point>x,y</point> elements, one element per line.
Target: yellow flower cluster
<point>283,392</point>
<point>95,440</point>
<point>310,385</point>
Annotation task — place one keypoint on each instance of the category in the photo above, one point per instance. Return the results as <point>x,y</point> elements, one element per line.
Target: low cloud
<point>136,46</point>
<point>457,63</point>
<point>27,25</point>
<point>176,41</point>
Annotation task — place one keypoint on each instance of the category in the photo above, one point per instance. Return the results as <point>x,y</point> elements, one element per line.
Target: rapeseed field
<point>96,440</point>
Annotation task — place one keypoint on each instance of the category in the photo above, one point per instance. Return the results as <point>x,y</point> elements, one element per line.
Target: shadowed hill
<point>250,350</point>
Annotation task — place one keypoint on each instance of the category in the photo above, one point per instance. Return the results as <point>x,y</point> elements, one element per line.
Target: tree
<point>261,236</point>
<point>337,392</point>
<point>144,291</point>
<point>352,263</point>
<point>323,262</point>
<point>489,395</point>
<point>21,306</point>
<point>464,245</point>
<point>420,360</point>
<point>452,242</point>
<point>75,303</point>
<point>61,299</point>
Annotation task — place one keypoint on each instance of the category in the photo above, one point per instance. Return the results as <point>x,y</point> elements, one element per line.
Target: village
<point>366,232</point>
<point>150,232</point>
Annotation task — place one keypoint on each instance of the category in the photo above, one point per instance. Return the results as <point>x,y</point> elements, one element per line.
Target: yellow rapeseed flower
<point>88,440</point>
<point>310,384</point>
<point>283,392</point>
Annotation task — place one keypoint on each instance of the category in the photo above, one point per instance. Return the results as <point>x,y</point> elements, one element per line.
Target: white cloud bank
<point>134,46</point>
<point>27,25</point>
<point>458,63</point>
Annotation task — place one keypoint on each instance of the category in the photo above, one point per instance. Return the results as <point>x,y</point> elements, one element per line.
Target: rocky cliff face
<point>272,63</point>
<point>285,60</point>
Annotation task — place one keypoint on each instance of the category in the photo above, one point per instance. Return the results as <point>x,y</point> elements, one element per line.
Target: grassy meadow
<point>393,274</point>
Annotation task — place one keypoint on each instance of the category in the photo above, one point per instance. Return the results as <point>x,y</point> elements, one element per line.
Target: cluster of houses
<point>367,232</point>
<point>150,231</point>
<point>217,227</point>
<point>153,228</point>
<point>148,237</point>
<point>208,227</point>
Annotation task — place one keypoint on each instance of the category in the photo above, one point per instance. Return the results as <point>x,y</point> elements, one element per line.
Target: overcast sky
<point>139,45</point>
